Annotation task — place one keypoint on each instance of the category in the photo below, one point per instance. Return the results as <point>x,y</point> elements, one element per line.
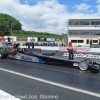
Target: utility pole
<point>10,24</point>
<point>11,28</point>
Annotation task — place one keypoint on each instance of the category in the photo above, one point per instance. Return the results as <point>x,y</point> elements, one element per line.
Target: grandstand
<point>82,30</point>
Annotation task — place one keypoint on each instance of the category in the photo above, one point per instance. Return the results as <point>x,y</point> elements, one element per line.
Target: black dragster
<point>28,55</point>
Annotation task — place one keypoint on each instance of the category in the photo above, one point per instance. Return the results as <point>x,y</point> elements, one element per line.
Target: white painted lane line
<point>7,96</point>
<point>53,83</point>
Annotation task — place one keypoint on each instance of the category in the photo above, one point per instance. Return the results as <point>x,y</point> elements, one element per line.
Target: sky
<point>49,15</point>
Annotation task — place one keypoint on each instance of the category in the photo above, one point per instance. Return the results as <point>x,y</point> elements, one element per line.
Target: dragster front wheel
<point>83,65</point>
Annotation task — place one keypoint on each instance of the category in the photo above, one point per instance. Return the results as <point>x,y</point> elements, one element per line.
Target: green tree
<point>99,42</point>
<point>90,41</point>
<point>8,24</point>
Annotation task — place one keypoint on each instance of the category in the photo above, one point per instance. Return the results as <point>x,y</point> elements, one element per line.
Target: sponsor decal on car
<point>75,64</point>
<point>17,56</point>
<point>26,58</point>
<point>80,55</point>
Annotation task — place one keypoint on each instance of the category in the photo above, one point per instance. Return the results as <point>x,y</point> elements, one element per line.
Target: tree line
<point>11,26</point>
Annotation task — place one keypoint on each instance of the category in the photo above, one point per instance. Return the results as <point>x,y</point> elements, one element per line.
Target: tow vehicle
<point>26,54</point>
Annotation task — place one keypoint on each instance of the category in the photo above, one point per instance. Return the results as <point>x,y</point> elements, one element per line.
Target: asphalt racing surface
<point>32,81</point>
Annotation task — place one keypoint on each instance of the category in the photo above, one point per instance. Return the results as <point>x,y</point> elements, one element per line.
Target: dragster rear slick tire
<point>3,54</point>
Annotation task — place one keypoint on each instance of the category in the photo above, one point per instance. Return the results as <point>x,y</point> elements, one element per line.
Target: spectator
<point>8,39</point>
<point>32,44</point>
<point>27,44</point>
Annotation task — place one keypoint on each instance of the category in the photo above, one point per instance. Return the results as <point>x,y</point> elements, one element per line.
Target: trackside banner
<point>1,37</point>
<point>12,38</point>
<point>50,39</point>
<point>81,55</point>
<point>30,39</point>
<point>82,49</point>
<point>76,49</point>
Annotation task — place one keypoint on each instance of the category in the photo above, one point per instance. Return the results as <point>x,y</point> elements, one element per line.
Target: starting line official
<point>70,50</point>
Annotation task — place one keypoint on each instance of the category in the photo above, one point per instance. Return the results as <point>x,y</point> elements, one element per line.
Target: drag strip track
<point>25,78</point>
